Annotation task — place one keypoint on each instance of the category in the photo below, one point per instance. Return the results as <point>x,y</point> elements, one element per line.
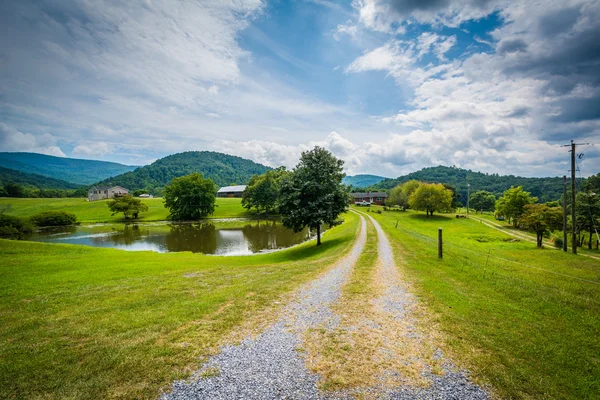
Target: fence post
<point>439,242</point>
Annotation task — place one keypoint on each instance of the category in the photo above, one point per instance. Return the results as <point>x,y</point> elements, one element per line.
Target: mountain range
<point>223,169</point>
<point>74,170</point>
<point>48,172</point>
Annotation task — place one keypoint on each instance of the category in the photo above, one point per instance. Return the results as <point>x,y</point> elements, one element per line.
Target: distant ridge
<point>42,182</point>
<point>223,169</point>
<point>546,189</point>
<point>78,171</point>
<point>362,180</point>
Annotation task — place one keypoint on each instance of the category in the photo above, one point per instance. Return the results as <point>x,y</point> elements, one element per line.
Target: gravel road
<point>269,366</point>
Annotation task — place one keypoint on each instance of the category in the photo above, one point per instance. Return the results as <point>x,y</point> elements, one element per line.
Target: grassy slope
<point>97,211</point>
<point>80,322</point>
<point>526,321</point>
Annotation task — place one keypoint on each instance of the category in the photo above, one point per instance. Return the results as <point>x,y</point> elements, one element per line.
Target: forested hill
<point>223,169</point>
<point>546,189</point>
<point>361,181</point>
<point>83,172</point>
<point>39,181</point>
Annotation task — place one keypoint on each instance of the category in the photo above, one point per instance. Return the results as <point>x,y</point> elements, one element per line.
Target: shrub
<point>54,218</point>
<point>558,243</point>
<point>378,211</point>
<point>14,226</point>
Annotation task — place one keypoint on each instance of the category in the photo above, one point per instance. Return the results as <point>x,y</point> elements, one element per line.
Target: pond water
<point>231,237</point>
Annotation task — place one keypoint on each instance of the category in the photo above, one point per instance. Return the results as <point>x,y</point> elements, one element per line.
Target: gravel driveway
<point>269,366</point>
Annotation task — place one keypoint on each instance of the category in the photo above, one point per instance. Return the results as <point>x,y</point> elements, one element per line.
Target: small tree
<point>431,197</point>
<point>482,201</point>
<point>128,205</point>
<point>511,204</point>
<point>541,219</point>
<point>313,194</point>
<point>262,191</point>
<point>190,197</point>
<point>587,213</point>
<point>397,198</point>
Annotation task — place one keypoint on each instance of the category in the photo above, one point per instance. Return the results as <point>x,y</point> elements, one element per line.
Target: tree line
<point>516,206</point>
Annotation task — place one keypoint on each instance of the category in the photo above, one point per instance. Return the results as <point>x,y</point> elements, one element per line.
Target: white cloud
<point>14,140</point>
<point>92,149</point>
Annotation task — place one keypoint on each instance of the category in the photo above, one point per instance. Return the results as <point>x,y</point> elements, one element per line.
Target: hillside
<point>546,189</point>
<point>223,169</point>
<point>361,181</point>
<point>82,172</point>
<point>42,182</point>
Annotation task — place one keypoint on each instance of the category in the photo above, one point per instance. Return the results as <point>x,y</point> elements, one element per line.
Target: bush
<point>558,243</point>
<point>54,218</point>
<point>14,226</point>
<point>378,211</point>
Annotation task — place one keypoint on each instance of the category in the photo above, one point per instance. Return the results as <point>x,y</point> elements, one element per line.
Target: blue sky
<point>389,86</point>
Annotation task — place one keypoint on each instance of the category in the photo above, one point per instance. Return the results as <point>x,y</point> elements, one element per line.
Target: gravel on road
<point>270,366</point>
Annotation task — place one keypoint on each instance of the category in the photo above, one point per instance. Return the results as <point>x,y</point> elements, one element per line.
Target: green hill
<point>83,172</point>
<point>362,181</point>
<point>546,189</point>
<point>42,182</point>
<point>223,169</point>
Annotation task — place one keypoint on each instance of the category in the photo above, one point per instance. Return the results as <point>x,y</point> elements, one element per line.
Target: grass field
<point>526,321</point>
<point>97,211</point>
<point>79,322</point>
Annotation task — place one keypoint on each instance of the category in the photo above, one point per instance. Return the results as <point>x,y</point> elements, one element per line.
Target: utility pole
<point>564,213</point>
<point>573,146</point>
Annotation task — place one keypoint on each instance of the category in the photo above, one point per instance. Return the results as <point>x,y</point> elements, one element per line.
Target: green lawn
<point>525,320</point>
<point>79,322</point>
<point>97,211</point>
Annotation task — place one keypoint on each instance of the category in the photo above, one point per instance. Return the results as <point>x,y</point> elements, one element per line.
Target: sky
<point>388,86</point>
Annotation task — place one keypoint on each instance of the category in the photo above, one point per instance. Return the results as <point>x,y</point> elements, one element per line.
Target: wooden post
<point>573,220</point>
<point>439,242</point>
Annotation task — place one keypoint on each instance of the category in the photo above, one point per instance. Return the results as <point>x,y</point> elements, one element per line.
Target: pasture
<point>97,211</point>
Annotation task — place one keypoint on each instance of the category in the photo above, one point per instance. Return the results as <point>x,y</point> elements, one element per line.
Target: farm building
<point>106,192</point>
<point>231,191</point>
<point>372,197</point>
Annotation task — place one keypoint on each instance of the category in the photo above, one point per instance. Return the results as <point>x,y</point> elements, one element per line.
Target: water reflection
<point>219,238</point>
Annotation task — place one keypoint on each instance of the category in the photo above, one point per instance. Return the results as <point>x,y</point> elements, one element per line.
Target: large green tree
<point>541,219</point>
<point>431,197</point>
<point>482,201</point>
<point>190,197</point>
<point>262,192</point>
<point>128,205</point>
<point>313,194</point>
<point>512,204</point>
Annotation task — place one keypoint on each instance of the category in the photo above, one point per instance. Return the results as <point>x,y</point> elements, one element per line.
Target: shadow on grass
<point>434,217</point>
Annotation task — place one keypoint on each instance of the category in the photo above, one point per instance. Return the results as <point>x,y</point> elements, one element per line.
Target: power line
<point>573,146</point>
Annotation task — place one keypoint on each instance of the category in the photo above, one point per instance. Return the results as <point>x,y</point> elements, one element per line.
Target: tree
<point>541,219</point>
<point>13,190</point>
<point>511,205</point>
<point>397,198</point>
<point>482,201</point>
<point>431,197</point>
<point>313,194</point>
<point>128,205</point>
<point>262,191</point>
<point>587,213</point>
<point>190,197</point>
<point>409,187</point>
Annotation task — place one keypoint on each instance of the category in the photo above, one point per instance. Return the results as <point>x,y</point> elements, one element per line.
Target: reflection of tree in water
<point>127,236</point>
<point>271,235</point>
<point>197,238</point>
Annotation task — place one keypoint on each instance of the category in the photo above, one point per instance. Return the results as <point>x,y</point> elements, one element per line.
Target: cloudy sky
<point>389,86</point>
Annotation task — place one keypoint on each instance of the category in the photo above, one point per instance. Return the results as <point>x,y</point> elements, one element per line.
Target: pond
<point>218,237</point>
